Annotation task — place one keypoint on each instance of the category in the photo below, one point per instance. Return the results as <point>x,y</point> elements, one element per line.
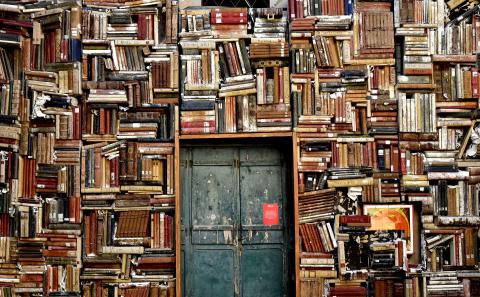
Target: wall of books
<point>381,99</point>
<point>385,99</point>
<point>89,93</point>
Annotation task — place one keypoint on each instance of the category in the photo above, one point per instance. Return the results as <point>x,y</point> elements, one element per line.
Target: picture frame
<point>392,217</point>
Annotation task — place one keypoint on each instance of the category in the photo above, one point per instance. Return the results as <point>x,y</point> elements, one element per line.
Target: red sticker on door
<point>270,213</point>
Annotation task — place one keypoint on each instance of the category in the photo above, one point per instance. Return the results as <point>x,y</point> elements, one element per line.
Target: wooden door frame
<point>288,140</point>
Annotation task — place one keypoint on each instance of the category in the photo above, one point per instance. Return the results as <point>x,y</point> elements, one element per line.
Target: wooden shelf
<point>117,208</point>
<point>236,135</point>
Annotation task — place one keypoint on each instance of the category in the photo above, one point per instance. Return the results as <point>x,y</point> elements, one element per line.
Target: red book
<point>102,127</point>
<point>59,253</point>
<point>87,232</point>
<point>232,20</point>
<point>64,50</point>
<point>77,210</point>
<point>475,92</point>
<point>155,260</point>
<point>334,154</point>
<point>93,232</point>
<point>49,277</point>
<point>31,278</point>
<point>395,158</point>
<point>291,8</point>
<point>166,200</point>
<point>198,130</point>
<point>198,124</point>
<point>221,14</point>
<point>301,183</point>
<point>231,51</point>
<point>141,26</point>
<point>305,239</point>
<point>99,288</point>
<point>299,9</point>
<point>417,71</point>
<point>107,120</point>
<point>166,228</point>
<point>171,224</point>
<point>55,279</point>
<point>71,209</point>
<point>355,220</point>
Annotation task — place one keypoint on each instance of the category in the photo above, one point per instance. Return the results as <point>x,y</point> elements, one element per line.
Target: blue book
<point>198,105</point>
<point>76,50</point>
<point>348,7</point>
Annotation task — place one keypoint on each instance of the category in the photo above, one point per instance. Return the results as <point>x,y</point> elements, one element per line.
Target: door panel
<point>260,155</point>
<point>214,155</point>
<point>212,277</point>
<point>213,217</point>
<point>227,249</point>
<point>260,185</point>
<point>262,272</point>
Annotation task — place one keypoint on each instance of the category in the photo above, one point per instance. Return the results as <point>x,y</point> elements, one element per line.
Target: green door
<point>233,222</point>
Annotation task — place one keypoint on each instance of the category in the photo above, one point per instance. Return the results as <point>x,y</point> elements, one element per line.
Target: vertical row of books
<point>439,119</point>
<point>419,95</point>
<point>41,231</point>
<point>345,112</point>
<point>130,88</point>
<point>385,106</point>
<point>87,148</point>
<point>10,128</point>
<point>234,70</point>
<point>448,156</point>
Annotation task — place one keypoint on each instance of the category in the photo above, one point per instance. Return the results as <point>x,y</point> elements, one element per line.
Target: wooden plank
<point>295,143</point>
<point>237,135</point>
<point>178,214</point>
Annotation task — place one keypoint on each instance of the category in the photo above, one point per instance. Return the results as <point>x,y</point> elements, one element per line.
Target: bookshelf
<point>380,99</point>
<point>129,181</point>
<point>227,89</point>
<point>89,148</point>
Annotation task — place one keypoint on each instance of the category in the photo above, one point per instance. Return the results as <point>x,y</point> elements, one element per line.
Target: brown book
<point>93,232</point>
<point>467,84</point>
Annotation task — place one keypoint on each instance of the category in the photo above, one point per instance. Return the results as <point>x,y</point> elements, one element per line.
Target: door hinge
<point>236,163</point>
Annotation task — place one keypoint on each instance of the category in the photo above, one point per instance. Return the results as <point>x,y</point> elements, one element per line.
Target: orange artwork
<point>392,217</point>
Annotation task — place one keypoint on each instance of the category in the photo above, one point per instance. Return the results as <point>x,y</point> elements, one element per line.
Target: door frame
<point>285,143</point>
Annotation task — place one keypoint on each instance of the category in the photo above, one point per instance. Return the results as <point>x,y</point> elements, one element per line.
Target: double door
<point>233,222</point>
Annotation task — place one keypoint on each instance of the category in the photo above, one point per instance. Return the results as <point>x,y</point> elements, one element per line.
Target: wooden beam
<point>236,135</point>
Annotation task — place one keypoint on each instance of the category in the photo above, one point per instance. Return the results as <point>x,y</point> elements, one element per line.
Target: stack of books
<point>130,74</point>
<point>235,79</point>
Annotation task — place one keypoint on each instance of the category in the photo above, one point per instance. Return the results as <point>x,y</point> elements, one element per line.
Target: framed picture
<point>392,217</point>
